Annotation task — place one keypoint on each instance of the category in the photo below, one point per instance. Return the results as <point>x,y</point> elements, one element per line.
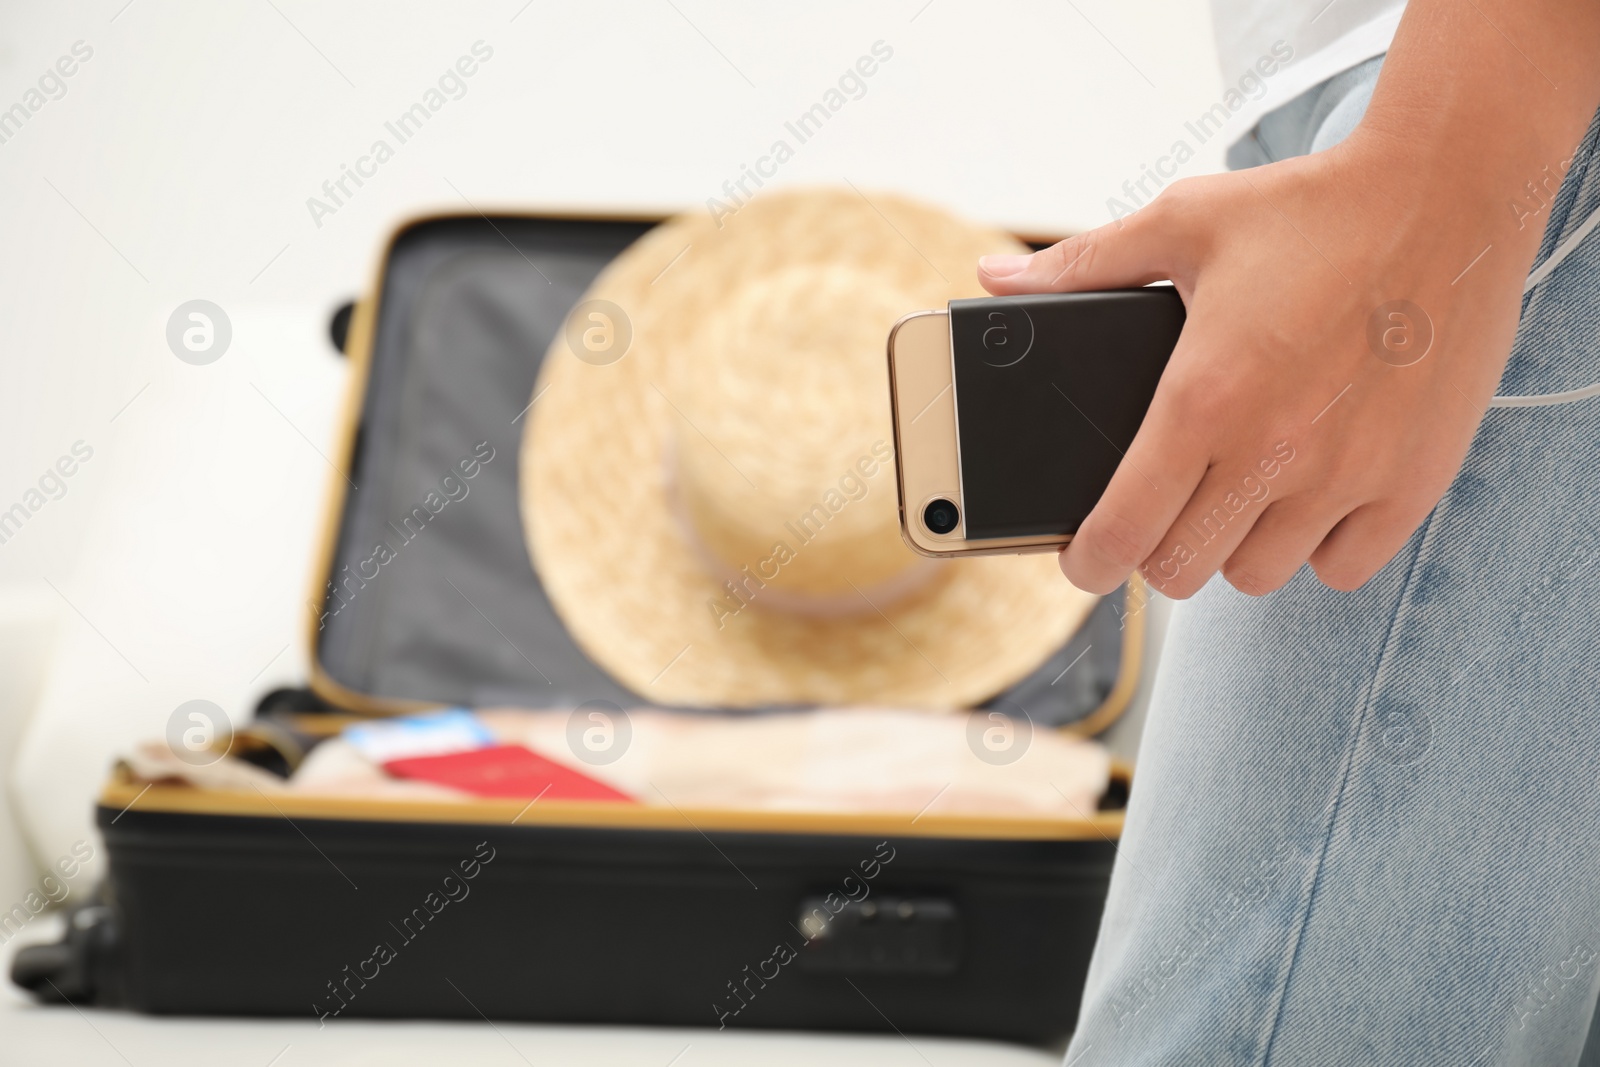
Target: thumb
<point>1121,254</point>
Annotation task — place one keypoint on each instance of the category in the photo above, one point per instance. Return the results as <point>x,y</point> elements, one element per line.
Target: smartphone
<point>1012,413</point>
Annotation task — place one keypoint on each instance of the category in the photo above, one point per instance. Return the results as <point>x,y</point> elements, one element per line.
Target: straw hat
<point>708,482</point>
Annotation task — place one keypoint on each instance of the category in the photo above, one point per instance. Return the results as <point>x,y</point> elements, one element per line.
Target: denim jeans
<point>1366,826</point>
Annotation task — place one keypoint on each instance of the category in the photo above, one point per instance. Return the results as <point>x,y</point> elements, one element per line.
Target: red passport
<point>505,771</point>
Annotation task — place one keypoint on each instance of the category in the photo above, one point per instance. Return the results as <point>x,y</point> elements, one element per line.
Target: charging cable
<point>1540,273</point>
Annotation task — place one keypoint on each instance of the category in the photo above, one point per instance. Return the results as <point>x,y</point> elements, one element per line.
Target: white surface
<point>177,165</point>
<point>28,618</point>
<point>64,1037</point>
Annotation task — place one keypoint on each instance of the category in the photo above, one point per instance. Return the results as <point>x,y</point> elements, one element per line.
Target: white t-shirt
<point>1325,36</point>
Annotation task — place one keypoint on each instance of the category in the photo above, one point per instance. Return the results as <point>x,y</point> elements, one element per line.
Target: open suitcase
<point>231,901</point>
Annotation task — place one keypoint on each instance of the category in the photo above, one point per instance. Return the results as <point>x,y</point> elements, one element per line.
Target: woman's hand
<point>1349,316</point>
<point>1279,434</point>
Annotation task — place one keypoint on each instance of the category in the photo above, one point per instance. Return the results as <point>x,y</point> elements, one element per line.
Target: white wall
<point>178,164</point>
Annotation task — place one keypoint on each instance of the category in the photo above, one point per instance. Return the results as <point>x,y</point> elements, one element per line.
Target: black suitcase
<point>240,902</point>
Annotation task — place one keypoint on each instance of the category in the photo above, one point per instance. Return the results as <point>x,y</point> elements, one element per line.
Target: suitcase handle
<point>339,325</point>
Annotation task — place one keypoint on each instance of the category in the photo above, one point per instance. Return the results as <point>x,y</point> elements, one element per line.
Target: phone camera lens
<point>941,516</point>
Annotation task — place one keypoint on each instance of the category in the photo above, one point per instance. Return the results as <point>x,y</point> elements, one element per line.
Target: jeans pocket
<point>1556,357</point>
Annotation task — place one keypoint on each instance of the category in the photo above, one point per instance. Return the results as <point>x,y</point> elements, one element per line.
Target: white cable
<point>1563,250</point>
<point>1544,400</point>
<point>1540,273</point>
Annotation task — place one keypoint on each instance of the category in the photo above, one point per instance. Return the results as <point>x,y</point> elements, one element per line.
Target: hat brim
<point>634,590</point>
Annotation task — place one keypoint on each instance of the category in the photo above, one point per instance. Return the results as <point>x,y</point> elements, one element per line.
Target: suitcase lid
<point>423,592</point>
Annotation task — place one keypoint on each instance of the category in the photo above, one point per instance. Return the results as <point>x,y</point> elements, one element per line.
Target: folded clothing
<point>858,759</point>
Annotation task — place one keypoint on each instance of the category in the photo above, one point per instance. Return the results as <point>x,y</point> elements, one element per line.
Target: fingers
<point>1200,519</point>
<point>1122,254</point>
<point>1344,550</point>
<point>1217,518</point>
<point>1154,481</point>
<point>1364,541</point>
<point>1278,546</point>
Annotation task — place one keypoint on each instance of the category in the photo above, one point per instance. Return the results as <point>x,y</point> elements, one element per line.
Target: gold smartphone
<point>1012,413</point>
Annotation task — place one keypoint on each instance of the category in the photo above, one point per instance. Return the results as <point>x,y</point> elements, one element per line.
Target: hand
<point>1298,420</point>
<point>1285,429</point>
